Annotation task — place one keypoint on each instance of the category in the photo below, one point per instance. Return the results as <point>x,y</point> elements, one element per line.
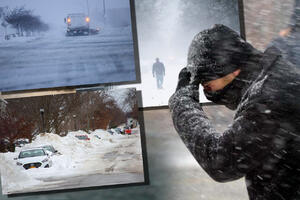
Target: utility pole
<point>88,7</point>
<point>104,12</point>
<point>104,8</point>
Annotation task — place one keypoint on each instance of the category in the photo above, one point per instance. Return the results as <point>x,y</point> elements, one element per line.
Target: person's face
<point>220,83</point>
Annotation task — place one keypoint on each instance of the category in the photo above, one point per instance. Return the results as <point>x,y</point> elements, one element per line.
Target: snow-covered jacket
<point>262,144</point>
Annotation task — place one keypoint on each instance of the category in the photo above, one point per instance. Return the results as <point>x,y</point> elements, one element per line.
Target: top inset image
<point>165,30</point>
<point>52,44</point>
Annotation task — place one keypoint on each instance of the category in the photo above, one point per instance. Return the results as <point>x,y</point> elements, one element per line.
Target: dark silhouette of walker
<point>158,71</point>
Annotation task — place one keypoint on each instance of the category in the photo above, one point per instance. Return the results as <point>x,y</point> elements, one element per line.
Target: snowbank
<point>102,154</point>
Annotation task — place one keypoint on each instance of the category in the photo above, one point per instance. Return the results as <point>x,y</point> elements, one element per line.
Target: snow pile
<point>10,179</point>
<point>103,153</point>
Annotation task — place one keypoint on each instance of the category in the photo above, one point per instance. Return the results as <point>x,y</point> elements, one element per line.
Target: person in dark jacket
<point>289,40</point>
<point>158,71</point>
<point>263,143</point>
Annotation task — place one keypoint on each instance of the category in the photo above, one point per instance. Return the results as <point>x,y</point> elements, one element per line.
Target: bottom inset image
<point>87,139</point>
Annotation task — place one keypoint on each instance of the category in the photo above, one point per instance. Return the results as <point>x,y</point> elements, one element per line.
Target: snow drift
<point>103,154</point>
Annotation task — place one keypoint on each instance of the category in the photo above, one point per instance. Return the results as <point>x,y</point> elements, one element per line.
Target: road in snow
<point>55,60</point>
<point>113,159</point>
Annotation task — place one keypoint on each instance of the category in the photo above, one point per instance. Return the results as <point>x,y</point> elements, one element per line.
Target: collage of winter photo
<point>69,141</point>
<point>149,100</point>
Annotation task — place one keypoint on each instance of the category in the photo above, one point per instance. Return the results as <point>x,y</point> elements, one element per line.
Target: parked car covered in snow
<point>97,136</point>
<point>131,123</point>
<point>82,137</point>
<point>21,142</point>
<point>110,131</point>
<point>51,149</point>
<point>126,130</point>
<point>117,130</point>
<point>34,158</point>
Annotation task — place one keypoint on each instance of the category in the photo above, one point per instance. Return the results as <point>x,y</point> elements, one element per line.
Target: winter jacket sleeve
<point>224,156</point>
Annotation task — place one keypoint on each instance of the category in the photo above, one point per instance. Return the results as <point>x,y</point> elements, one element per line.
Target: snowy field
<point>113,159</point>
<point>151,96</point>
<point>54,60</point>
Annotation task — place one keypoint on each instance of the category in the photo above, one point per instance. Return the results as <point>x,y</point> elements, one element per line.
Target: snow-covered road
<point>56,60</point>
<point>113,159</point>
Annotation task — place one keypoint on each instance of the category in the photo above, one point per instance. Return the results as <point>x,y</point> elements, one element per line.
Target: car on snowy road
<point>77,24</point>
<point>34,158</point>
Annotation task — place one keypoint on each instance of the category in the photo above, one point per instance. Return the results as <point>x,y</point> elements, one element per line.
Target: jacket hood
<point>217,52</point>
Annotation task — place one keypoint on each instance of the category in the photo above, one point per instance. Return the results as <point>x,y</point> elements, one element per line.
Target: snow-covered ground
<point>113,159</point>
<point>54,60</point>
<point>151,96</point>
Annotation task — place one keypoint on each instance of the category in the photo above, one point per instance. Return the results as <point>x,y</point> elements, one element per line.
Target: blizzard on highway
<point>54,60</point>
<point>105,159</point>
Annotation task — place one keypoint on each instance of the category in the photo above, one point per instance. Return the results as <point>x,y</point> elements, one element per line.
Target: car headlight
<point>19,164</point>
<point>45,160</point>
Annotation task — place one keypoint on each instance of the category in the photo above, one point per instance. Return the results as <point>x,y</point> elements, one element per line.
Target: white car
<point>34,158</point>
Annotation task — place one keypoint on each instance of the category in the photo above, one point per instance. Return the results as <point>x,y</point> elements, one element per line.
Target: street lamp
<point>88,7</point>
<point>75,127</point>
<point>42,115</point>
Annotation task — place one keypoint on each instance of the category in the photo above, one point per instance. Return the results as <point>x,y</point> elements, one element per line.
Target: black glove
<point>183,78</point>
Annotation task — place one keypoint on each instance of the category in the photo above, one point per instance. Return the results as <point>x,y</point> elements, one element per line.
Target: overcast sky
<point>54,11</point>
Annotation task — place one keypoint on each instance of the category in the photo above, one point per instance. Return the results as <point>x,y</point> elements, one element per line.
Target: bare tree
<point>13,127</point>
<point>24,21</point>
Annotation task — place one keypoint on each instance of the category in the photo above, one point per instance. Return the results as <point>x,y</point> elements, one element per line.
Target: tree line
<point>25,22</point>
<point>59,114</point>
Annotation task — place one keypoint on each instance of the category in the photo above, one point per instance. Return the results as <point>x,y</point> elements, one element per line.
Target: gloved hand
<point>185,87</point>
<point>183,78</point>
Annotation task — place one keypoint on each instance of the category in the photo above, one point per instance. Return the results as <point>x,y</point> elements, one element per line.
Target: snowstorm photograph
<point>165,30</point>
<point>50,44</point>
<point>67,141</point>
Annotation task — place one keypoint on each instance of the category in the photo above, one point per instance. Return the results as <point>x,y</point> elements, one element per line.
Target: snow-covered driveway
<point>56,60</point>
<point>113,159</point>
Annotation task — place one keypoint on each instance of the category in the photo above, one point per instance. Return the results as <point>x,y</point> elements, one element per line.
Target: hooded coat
<point>263,143</point>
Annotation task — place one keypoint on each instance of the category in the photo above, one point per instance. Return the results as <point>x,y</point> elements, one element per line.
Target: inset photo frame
<point>165,30</point>
<point>59,44</point>
<point>70,141</point>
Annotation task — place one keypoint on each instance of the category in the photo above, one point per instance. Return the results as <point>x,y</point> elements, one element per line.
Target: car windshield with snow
<point>32,153</point>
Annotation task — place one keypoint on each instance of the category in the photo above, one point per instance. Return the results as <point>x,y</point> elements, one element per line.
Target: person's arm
<point>224,156</point>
